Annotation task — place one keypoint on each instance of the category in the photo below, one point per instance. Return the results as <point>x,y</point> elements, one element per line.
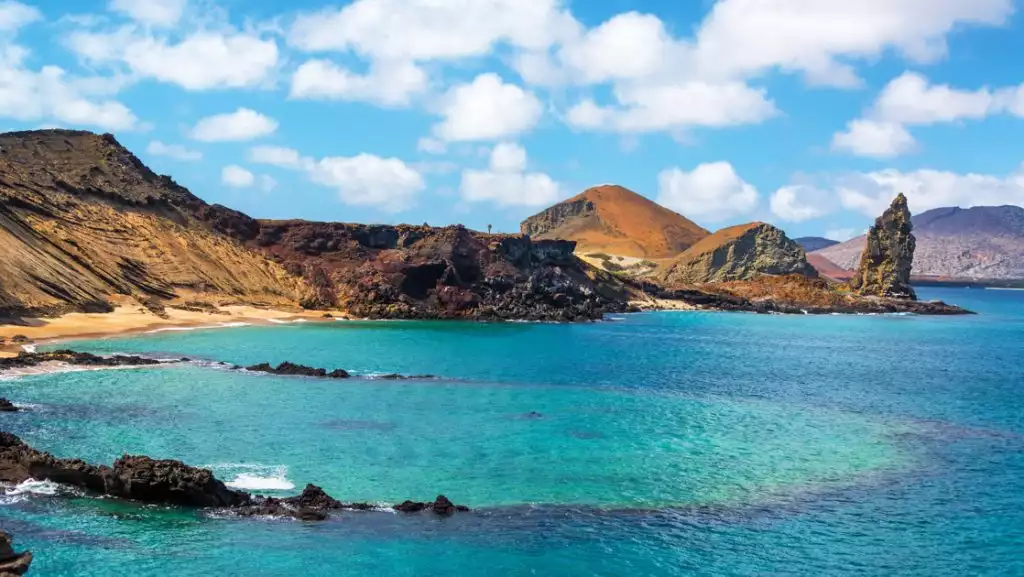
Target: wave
<point>283,322</point>
<point>33,487</point>
<point>28,348</point>
<point>254,477</point>
<point>199,328</point>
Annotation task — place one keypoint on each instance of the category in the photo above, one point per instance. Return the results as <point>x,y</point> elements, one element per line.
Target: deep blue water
<point>668,444</point>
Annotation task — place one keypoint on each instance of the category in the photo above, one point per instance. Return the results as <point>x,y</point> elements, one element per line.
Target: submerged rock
<point>441,506</point>
<point>12,563</point>
<point>7,406</point>
<point>888,255</point>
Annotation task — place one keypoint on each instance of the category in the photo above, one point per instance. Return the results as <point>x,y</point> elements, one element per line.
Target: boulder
<point>888,255</point>
<point>7,406</point>
<point>12,563</point>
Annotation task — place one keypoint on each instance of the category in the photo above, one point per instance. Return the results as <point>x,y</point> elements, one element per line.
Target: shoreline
<point>130,318</point>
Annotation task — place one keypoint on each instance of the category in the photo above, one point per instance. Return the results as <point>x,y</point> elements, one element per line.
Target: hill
<point>82,221</point>
<point>985,242</point>
<point>617,221</point>
<point>740,252</point>
<point>813,243</point>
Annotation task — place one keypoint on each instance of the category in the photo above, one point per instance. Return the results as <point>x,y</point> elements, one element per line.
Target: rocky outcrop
<point>169,482</point>
<point>978,243</point>
<point>73,358</point>
<point>7,406</point>
<point>740,252</point>
<point>888,255</point>
<point>11,563</point>
<point>615,220</point>
<point>419,272</point>
<point>293,370</point>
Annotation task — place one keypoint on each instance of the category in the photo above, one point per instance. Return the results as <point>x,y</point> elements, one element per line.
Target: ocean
<point>669,443</point>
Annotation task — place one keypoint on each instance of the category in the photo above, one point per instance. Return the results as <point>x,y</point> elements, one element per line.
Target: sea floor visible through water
<point>671,443</point>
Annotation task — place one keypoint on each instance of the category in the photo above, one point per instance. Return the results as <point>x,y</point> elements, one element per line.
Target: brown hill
<point>615,220</point>
<point>828,268</point>
<point>83,220</point>
<point>740,252</point>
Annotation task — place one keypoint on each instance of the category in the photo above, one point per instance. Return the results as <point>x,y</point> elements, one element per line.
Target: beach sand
<point>130,317</point>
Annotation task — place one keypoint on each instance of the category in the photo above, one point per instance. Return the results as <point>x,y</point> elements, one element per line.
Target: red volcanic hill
<point>615,220</point>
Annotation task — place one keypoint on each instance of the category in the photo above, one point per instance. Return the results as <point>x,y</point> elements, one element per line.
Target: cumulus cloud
<point>237,177</point>
<point>871,193</point>
<point>874,139</point>
<point>386,84</point>
<point>506,182</point>
<point>487,109</point>
<point>202,60</point>
<point>841,234</point>
<point>362,180</point>
<point>800,202</point>
<point>14,15</point>
<point>175,151</point>
<point>240,125</point>
<point>711,191</point>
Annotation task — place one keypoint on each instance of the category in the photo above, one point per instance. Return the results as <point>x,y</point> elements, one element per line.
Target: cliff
<point>980,243</point>
<point>615,220</point>
<point>885,265</point>
<point>81,219</point>
<point>452,272</point>
<point>739,252</point>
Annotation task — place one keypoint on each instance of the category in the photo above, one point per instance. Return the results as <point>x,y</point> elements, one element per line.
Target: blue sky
<point>809,115</point>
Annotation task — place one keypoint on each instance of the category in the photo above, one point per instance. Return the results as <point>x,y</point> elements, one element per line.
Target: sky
<point>809,114</point>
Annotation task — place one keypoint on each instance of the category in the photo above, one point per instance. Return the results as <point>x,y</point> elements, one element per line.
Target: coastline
<point>130,318</point>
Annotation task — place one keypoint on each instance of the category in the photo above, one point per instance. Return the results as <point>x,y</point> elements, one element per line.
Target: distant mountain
<point>741,252</point>
<point>813,243</point>
<point>984,242</point>
<point>615,220</point>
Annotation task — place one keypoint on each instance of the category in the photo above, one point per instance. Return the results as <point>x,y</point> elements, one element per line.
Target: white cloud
<point>277,156</point>
<point>237,177</point>
<point>508,157</point>
<point>417,30</point>
<point>506,182</point>
<point>871,193</point>
<point>152,12</point>
<point>240,125</point>
<point>629,45</point>
<point>14,15</point>
<point>818,38</point>
<point>431,146</point>
<point>175,151</point>
<point>910,99</point>
<point>203,60</point>
<point>361,180</point>
<point>487,109</point>
<point>386,84</point>
<point>874,139</point>
<point>51,95</point>
<point>368,180</point>
<point>797,203</point>
<point>645,108</point>
<point>711,191</point>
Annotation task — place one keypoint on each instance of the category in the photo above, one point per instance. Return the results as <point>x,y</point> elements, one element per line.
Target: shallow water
<point>660,444</point>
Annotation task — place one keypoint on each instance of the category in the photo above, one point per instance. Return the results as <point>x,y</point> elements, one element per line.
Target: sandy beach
<point>129,317</point>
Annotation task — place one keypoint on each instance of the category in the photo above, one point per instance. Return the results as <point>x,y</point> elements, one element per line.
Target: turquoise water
<point>667,444</point>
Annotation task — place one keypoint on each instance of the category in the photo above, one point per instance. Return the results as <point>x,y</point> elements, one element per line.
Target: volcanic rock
<point>7,406</point>
<point>888,255</point>
<point>295,370</point>
<point>74,358</point>
<point>739,252</point>
<point>12,563</point>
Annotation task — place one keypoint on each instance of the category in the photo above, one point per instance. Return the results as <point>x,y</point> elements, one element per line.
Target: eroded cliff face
<point>422,272</point>
<point>557,216</point>
<point>82,219</point>
<point>738,253</point>
<point>888,255</point>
